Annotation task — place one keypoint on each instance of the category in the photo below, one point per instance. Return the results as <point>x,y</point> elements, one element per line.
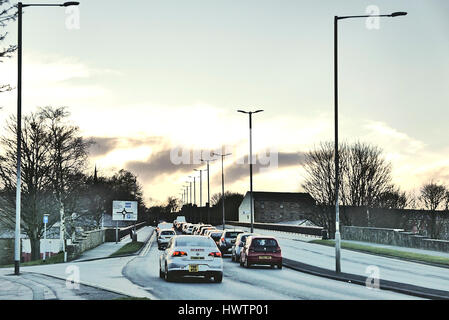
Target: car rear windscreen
<point>166,233</point>
<point>232,234</point>
<point>195,242</point>
<point>264,243</point>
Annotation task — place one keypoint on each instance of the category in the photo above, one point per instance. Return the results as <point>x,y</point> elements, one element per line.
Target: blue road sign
<point>45,219</point>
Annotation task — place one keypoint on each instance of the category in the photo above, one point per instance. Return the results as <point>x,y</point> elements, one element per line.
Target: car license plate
<point>264,257</point>
<point>197,258</point>
<point>193,268</point>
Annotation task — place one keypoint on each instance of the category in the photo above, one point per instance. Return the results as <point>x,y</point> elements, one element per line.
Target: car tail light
<point>278,250</point>
<point>215,254</point>
<point>179,254</point>
<point>222,239</point>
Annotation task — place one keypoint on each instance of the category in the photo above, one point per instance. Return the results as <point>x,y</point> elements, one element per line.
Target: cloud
<point>159,164</point>
<point>104,145</point>
<point>263,163</point>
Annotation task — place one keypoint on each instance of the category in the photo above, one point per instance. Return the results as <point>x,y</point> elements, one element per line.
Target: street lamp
<point>208,188</point>
<point>194,189</point>
<point>201,184</point>
<point>337,169</point>
<point>250,113</point>
<point>187,186</point>
<point>222,183</point>
<point>20,6</point>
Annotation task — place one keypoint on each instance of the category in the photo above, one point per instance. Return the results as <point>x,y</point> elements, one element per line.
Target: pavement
<point>98,280</point>
<point>106,249</point>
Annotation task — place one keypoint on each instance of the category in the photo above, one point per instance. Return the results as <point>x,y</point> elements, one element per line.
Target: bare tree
<point>8,13</point>
<point>433,197</point>
<point>68,154</point>
<point>36,194</point>
<point>364,177</point>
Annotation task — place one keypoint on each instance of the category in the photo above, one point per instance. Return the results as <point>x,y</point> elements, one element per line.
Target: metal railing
<point>312,231</point>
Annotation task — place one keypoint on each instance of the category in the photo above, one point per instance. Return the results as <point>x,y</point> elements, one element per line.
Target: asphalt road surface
<point>259,283</point>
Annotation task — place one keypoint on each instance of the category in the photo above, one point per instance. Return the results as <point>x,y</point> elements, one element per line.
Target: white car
<point>191,256</point>
<point>189,229</point>
<point>164,237</point>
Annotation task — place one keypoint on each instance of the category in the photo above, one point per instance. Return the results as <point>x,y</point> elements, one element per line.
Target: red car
<point>263,250</point>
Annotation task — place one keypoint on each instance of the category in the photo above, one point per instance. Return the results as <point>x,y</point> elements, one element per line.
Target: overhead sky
<point>145,78</point>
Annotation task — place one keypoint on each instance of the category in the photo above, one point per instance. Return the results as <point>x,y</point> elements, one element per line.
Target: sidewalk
<point>33,286</point>
<point>99,280</point>
<point>106,249</point>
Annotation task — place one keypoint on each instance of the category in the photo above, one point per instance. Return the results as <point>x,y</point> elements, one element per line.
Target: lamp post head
<point>399,13</point>
<point>257,111</point>
<point>242,111</point>
<point>70,3</point>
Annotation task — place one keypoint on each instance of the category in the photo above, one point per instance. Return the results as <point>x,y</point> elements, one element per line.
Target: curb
<point>404,288</point>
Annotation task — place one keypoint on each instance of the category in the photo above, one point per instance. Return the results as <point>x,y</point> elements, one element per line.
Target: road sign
<point>124,210</point>
<point>45,218</point>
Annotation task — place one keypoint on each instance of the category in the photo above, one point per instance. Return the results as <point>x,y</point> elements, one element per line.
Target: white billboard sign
<point>124,210</point>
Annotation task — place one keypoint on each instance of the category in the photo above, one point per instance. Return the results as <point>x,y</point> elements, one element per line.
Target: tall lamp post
<point>337,168</point>
<point>222,183</point>
<point>190,198</point>
<point>250,113</point>
<point>201,184</point>
<point>194,189</point>
<point>208,189</point>
<point>20,7</point>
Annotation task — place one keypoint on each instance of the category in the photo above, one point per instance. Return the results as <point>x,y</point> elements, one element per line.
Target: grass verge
<point>128,248</point>
<point>387,252</point>
<point>58,258</point>
<point>132,298</point>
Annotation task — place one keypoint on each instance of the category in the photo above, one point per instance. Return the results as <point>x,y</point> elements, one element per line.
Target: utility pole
<point>222,184</point>
<point>208,189</point>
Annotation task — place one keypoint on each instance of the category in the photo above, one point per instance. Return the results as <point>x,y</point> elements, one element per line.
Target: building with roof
<point>275,207</point>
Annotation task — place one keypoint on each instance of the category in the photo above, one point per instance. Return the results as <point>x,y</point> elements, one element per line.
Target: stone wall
<point>269,211</point>
<point>395,237</point>
<point>6,251</point>
<point>88,240</point>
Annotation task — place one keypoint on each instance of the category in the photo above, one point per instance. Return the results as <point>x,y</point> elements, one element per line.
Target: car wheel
<point>168,275</point>
<point>161,274</point>
<point>272,266</point>
<point>280,266</point>
<point>247,264</point>
<point>218,277</point>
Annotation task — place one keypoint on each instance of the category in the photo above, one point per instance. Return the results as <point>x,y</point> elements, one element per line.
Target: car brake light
<point>179,254</point>
<point>278,250</point>
<point>215,254</point>
<point>222,239</point>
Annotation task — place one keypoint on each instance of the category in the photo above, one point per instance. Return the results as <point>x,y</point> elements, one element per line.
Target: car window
<point>195,242</point>
<point>264,243</point>
<point>232,234</point>
<point>165,233</point>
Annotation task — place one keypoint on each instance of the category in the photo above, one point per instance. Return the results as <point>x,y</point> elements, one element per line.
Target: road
<point>259,283</point>
<point>356,262</point>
